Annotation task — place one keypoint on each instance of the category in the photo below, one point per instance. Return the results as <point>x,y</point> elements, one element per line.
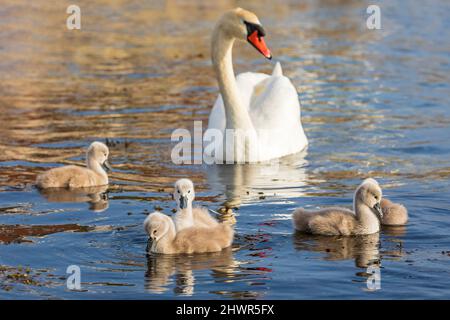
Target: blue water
<point>374,103</point>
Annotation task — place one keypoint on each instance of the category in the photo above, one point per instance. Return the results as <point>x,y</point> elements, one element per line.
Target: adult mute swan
<point>262,111</point>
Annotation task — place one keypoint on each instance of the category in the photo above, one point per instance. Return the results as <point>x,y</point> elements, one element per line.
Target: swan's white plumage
<point>274,109</point>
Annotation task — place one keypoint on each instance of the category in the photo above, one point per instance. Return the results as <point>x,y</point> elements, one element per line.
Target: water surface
<point>374,103</point>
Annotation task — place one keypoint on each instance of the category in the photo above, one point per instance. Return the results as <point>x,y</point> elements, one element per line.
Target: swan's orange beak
<point>258,42</point>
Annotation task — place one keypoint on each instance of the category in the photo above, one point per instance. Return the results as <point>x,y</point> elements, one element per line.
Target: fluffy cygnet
<point>165,238</point>
<point>340,221</point>
<point>95,173</point>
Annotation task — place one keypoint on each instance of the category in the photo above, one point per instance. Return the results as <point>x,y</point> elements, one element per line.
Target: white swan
<point>263,110</point>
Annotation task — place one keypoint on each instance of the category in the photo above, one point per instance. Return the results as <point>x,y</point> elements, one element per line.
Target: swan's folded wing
<point>275,103</point>
<point>246,83</point>
<point>275,113</point>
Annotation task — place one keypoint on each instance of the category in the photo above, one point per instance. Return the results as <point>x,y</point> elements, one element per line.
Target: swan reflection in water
<point>239,183</point>
<point>394,231</point>
<point>393,242</point>
<point>96,197</point>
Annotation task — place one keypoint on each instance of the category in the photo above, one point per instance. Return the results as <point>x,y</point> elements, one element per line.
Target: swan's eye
<point>252,27</point>
<point>178,191</point>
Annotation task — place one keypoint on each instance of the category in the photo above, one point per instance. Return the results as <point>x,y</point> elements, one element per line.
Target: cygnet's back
<point>328,221</point>
<point>204,239</point>
<point>66,177</point>
<point>394,214</point>
<point>95,174</point>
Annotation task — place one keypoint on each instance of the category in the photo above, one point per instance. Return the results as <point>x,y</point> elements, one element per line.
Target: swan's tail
<point>277,71</point>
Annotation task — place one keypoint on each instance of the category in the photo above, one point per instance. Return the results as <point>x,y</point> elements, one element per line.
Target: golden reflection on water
<point>73,86</point>
<point>20,233</point>
<point>134,72</point>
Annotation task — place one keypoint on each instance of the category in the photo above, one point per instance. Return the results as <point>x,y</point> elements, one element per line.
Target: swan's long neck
<point>237,116</point>
<point>97,168</point>
<point>187,212</point>
<point>368,220</point>
<point>184,217</point>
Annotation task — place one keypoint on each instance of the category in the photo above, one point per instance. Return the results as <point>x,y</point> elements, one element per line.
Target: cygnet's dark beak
<point>107,166</point>
<point>183,202</point>
<point>378,211</point>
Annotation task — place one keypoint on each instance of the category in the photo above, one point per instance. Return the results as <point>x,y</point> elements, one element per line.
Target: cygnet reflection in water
<point>96,197</point>
<point>163,270</point>
<point>364,249</point>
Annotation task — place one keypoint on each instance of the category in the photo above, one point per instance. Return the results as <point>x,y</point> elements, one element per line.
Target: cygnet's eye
<point>376,197</point>
<point>189,191</point>
<point>178,191</point>
<point>155,231</point>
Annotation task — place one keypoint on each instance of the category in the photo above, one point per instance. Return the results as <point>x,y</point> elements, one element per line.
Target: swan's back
<point>328,221</point>
<point>201,239</point>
